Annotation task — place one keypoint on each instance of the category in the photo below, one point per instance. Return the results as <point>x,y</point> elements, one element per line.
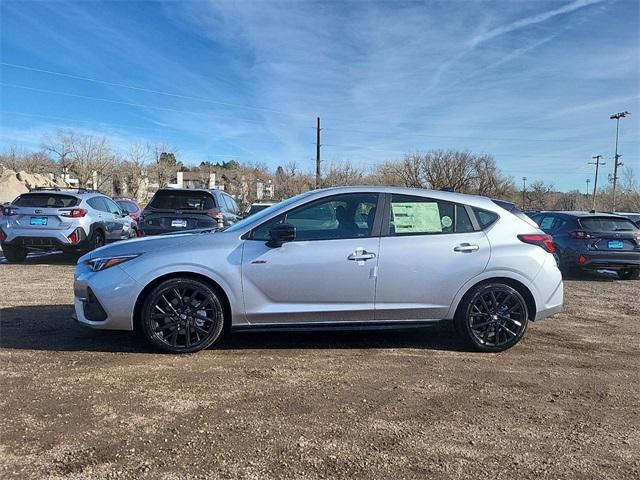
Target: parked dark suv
<point>180,209</point>
<point>593,240</point>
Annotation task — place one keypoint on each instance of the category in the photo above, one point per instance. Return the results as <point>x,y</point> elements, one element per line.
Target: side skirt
<point>337,326</point>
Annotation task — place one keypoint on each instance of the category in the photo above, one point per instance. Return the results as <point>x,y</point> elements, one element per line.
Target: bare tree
<point>93,161</point>
<point>343,173</point>
<point>132,170</point>
<point>290,181</point>
<point>60,147</point>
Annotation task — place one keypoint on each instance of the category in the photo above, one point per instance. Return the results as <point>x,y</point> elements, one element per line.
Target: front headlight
<point>102,263</point>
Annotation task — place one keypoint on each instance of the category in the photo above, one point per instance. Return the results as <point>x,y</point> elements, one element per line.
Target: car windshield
<point>45,200</point>
<point>607,224</point>
<point>258,217</point>
<point>181,200</point>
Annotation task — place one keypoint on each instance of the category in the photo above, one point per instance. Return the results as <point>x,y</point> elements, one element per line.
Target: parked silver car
<point>339,257</point>
<point>67,219</point>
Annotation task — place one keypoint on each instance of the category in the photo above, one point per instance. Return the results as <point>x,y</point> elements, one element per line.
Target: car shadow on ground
<point>591,276</point>
<point>45,258</point>
<point>51,328</point>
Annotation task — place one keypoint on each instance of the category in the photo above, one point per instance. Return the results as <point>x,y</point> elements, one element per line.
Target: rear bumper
<point>608,260</point>
<point>46,240</point>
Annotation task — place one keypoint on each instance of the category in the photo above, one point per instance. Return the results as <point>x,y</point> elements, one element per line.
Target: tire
<point>14,254</point>
<point>492,317</point>
<point>629,274</point>
<point>97,240</point>
<point>182,315</point>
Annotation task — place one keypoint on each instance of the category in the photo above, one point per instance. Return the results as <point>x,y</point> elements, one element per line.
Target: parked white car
<point>357,257</point>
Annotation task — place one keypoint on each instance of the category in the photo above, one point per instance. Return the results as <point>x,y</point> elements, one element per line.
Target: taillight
<point>139,233</point>
<point>73,212</point>
<point>579,235</point>
<point>636,235</point>
<point>9,212</point>
<point>3,236</point>
<point>540,239</point>
<point>215,213</point>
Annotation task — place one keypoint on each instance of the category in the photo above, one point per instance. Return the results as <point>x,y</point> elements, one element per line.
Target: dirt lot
<point>78,403</point>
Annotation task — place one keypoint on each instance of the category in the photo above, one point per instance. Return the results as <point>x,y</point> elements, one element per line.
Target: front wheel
<point>629,273</point>
<point>492,317</point>
<point>182,315</point>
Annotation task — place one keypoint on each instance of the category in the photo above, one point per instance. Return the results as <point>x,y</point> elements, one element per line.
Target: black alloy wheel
<point>493,317</point>
<point>182,315</point>
<point>97,240</point>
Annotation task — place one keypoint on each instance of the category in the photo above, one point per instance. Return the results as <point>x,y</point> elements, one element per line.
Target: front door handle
<point>361,255</point>
<point>466,247</point>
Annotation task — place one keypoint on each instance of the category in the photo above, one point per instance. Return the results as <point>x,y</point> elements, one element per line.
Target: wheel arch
<point>226,304</point>
<point>517,285</point>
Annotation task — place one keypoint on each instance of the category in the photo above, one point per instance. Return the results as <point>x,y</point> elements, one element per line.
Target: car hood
<point>147,244</point>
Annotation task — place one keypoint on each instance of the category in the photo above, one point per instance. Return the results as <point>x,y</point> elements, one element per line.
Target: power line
<point>147,90</point>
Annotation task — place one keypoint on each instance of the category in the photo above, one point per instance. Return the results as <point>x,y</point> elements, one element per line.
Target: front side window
<point>112,206</point>
<point>425,216</point>
<point>332,218</point>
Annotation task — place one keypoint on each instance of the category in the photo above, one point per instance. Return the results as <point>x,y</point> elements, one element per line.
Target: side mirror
<point>125,213</point>
<point>281,233</point>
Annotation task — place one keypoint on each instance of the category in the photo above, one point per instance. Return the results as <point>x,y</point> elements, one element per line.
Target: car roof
<point>205,190</point>
<point>455,197</point>
<point>65,191</point>
<point>580,214</point>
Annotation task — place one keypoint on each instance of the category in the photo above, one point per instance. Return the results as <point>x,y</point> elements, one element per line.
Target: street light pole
<point>524,189</point>
<point>616,163</point>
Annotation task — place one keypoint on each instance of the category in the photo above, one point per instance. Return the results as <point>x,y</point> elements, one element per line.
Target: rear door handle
<point>466,247</point>
<point>361,255</point>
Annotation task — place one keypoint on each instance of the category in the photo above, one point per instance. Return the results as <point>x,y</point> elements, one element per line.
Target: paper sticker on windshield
<point>446,221</point>
<point>416,217</point>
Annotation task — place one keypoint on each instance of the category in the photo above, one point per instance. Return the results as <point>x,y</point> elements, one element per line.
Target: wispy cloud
<point>519,80</point>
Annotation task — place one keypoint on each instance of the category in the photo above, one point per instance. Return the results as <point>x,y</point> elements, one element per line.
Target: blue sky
<point>531,82</point>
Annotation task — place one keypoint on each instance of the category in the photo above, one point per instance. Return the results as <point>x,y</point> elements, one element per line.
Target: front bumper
<point>112,291</point>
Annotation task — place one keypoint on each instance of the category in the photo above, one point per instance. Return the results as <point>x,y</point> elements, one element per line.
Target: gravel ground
<point>78,403</point>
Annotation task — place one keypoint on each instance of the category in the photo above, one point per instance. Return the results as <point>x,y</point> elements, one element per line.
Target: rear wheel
<point>14,254</point>
<point>182,315</point>
<point>97,240</point>
<point>629,273</point>
<point>492,317</point>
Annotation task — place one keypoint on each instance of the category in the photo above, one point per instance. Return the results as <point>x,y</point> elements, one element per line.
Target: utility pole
<point>524,189</point>
<point>588,181</point>
<point>616,157</point>
<point>598,164</point>
<point>318,152</point>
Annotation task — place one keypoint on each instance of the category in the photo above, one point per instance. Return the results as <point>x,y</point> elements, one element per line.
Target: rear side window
<point>127,205</point>
<point>45,200</point>
<point>463,222</point>
<point>425,216</point>
<point>607,224</point>
<point>182,200</point>
<point>98,203</point>
<point>485,217</point>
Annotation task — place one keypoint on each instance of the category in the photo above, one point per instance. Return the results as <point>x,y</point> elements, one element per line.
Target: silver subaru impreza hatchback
<point>347,257</point>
